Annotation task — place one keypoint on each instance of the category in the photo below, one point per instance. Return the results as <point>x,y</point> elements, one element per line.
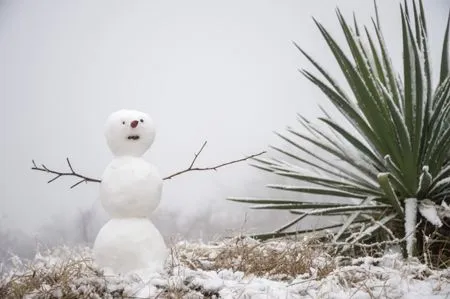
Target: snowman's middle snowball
<point>130,187</point>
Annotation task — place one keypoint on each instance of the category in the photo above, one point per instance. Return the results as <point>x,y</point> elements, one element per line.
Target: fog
<point>221,71</point>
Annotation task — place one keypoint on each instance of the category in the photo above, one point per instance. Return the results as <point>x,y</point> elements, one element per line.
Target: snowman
<point>130,191</point>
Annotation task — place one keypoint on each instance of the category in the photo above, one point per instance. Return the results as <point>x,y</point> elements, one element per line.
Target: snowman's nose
<point>134,123</point>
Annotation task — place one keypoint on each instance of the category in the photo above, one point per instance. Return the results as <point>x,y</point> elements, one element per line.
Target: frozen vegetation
<point>231,268</point>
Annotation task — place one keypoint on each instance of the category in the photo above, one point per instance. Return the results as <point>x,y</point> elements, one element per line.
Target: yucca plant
<point>392,157</point>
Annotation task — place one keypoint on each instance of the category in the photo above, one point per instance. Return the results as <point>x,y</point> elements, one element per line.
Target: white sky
<point>222,71</point>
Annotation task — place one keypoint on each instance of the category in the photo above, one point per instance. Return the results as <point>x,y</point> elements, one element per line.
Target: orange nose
<point>134,123</point>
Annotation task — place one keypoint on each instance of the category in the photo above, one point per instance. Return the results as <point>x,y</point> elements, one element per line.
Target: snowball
<point>129,132</point>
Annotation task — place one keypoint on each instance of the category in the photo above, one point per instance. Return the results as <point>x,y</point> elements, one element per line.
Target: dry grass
<point>372,276</point>
<point>281,259</point>
<point>435,245</point>
<point>47,283</point>
<point>69,277</point>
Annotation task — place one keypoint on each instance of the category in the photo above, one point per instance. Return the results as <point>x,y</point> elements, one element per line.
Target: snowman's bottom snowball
<point>130,245</point>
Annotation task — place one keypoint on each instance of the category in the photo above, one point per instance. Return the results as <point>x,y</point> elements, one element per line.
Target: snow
<point>428,210</point>
<point>130,187</point>
<point>130,244</point>
<point>120,132</point>
<point>388,276</point>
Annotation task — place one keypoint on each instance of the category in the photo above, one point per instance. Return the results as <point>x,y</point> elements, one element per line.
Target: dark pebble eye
<point>123,123</point>
<point>141,120</point>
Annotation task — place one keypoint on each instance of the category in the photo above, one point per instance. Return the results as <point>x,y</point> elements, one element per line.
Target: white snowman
<point>130,191</point>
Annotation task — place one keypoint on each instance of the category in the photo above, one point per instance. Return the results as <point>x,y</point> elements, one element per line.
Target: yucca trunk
<point>410,226</point>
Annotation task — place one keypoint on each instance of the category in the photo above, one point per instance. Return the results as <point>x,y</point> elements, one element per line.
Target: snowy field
<point>231,268</point>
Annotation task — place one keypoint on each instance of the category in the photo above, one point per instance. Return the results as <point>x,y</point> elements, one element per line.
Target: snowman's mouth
<point>133,137</point>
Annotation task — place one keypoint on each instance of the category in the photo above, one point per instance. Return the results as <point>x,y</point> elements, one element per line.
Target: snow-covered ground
<point>192,272</point>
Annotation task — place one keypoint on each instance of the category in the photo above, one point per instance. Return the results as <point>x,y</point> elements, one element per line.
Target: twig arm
<point>191,168</point>
<point>198,154</point>
<point>58,174</point>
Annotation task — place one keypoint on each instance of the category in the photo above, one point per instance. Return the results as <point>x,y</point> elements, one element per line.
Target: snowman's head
<point>129,132</point>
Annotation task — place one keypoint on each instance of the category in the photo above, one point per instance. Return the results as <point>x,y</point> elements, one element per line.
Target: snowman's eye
<point>141,120</point>
<point>123,122</point>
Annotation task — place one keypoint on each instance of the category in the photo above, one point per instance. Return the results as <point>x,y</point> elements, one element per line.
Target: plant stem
<point>410,225</point>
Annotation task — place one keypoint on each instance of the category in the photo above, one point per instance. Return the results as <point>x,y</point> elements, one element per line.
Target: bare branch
<point>54,179</point>
<point>70,166</point>
<point>76,184</point>
<point>60,174</point>
<point>198,154</point>
<point>192,168</point>
<point>86,179</point>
